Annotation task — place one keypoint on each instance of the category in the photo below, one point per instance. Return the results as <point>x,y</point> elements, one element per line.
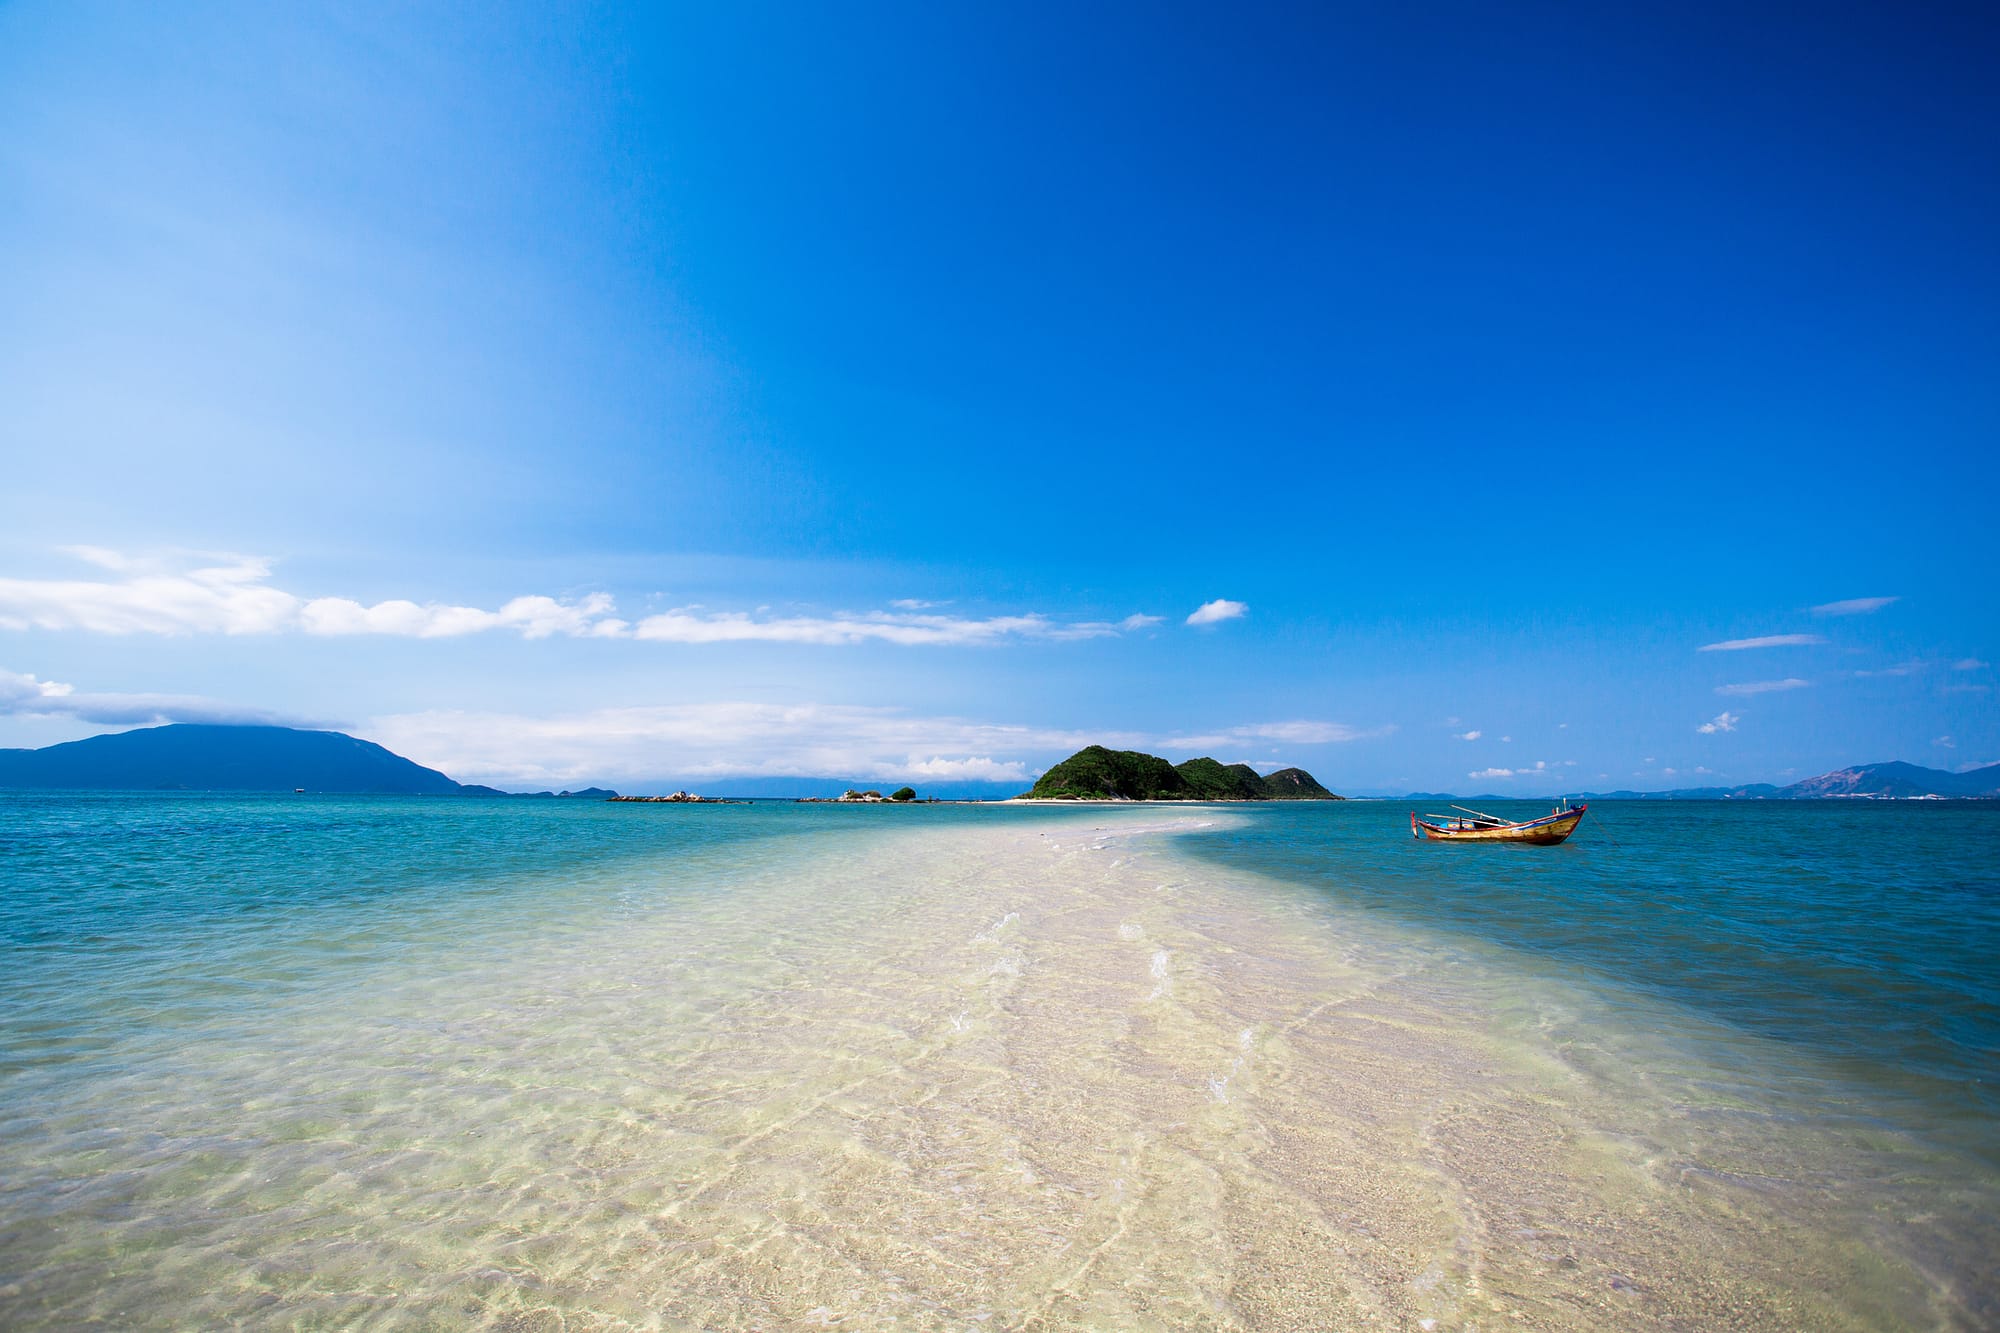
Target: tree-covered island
<point>1097,774</point>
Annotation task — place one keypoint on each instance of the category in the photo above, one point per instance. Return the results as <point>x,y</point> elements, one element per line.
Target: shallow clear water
<point>328,1062</point>
<point>1864,935</point>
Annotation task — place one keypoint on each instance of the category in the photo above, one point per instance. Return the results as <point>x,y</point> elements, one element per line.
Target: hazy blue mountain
<point>217,758</point>
<point>1897,779</point>
<point>1753,791</point>
<point>1879,781</point>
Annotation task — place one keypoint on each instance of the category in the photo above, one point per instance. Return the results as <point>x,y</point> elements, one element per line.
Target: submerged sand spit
<point>1028,1077</point>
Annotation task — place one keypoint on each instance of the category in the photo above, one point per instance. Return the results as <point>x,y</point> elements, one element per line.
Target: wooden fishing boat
<point>1474,826</point>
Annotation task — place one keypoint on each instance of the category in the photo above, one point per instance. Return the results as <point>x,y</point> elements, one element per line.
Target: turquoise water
<point>127,916</point>
<point>1862,935</point>
<point>334,1062</point>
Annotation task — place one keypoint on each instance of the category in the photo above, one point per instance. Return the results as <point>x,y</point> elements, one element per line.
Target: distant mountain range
<point>1097,774</point>
<point>1880,782</point>
<point>191,757</point>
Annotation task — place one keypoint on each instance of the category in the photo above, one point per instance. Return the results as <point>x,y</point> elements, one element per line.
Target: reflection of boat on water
<point>1474,826</point>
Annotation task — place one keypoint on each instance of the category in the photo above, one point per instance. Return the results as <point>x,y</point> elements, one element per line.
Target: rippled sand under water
<point>1018,1077</point>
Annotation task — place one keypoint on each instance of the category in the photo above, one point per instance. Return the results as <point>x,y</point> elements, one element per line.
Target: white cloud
<point>1541,769</point>
<point>217,599</point>
<point>1506,740</point>
<point>1945,743</point>
<point>1470,735</point>
<point>17,688</point>
<point>725,739</point>
<point>196,594</point>
<point>1767,641</point>
<point>1723,721</point>
<point>1763,687</point>
<point>711,741</point>
<point>1853,606</point>
<point>533,617</point>
<point>1288,733</point>
<point>686,626</point>
<point>1217,611</point>
<point>684,741</point>
<point>1968,664</point>
<point>1910,668</point>
<point>26,696</point>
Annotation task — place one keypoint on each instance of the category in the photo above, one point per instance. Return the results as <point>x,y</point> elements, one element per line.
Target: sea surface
<point>354,1062</point>
<point>1861,936</point>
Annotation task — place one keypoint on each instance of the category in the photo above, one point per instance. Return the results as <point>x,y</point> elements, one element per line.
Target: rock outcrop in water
<point>1097,774</point>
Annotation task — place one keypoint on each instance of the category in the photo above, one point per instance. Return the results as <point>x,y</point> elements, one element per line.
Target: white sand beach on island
<point>1041,1076</point>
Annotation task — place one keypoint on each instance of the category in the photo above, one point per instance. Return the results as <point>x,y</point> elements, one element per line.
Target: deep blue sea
<point>334,1061</point>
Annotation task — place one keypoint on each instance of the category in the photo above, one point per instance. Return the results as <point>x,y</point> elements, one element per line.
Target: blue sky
<point>670,395</point>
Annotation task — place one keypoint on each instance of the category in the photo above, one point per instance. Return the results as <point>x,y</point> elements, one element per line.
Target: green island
<point>1097,774</point>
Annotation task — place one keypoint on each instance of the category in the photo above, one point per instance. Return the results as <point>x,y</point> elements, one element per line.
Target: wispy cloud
<point>1217,611</point>
<point>688,741</point>
<point>233,595</point>
<point>1853,606</point>
<point>1968,664</point>
<point>25,695</point>
<point>690,625</point>
<point>1764,641</point>
<point>739,739</point>
<point>1763,686</point>
<point>1541,769</point>
<point>1723,721</point>
<point>1285,733</point>
<point>1470,735</point>
<point>1909,668</point>
<point>725,739</point>
<point>1944,742</point>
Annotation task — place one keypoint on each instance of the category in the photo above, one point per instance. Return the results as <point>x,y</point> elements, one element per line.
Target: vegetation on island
<point>1097,774</point>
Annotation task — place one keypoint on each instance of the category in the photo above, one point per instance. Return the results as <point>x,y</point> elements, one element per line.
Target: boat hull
<point>1543,832</point>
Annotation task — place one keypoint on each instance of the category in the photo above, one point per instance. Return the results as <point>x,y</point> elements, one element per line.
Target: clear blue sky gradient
<point>1496,359</point>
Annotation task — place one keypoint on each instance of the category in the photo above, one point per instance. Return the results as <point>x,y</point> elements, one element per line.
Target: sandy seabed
<point>1039,1076</point>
